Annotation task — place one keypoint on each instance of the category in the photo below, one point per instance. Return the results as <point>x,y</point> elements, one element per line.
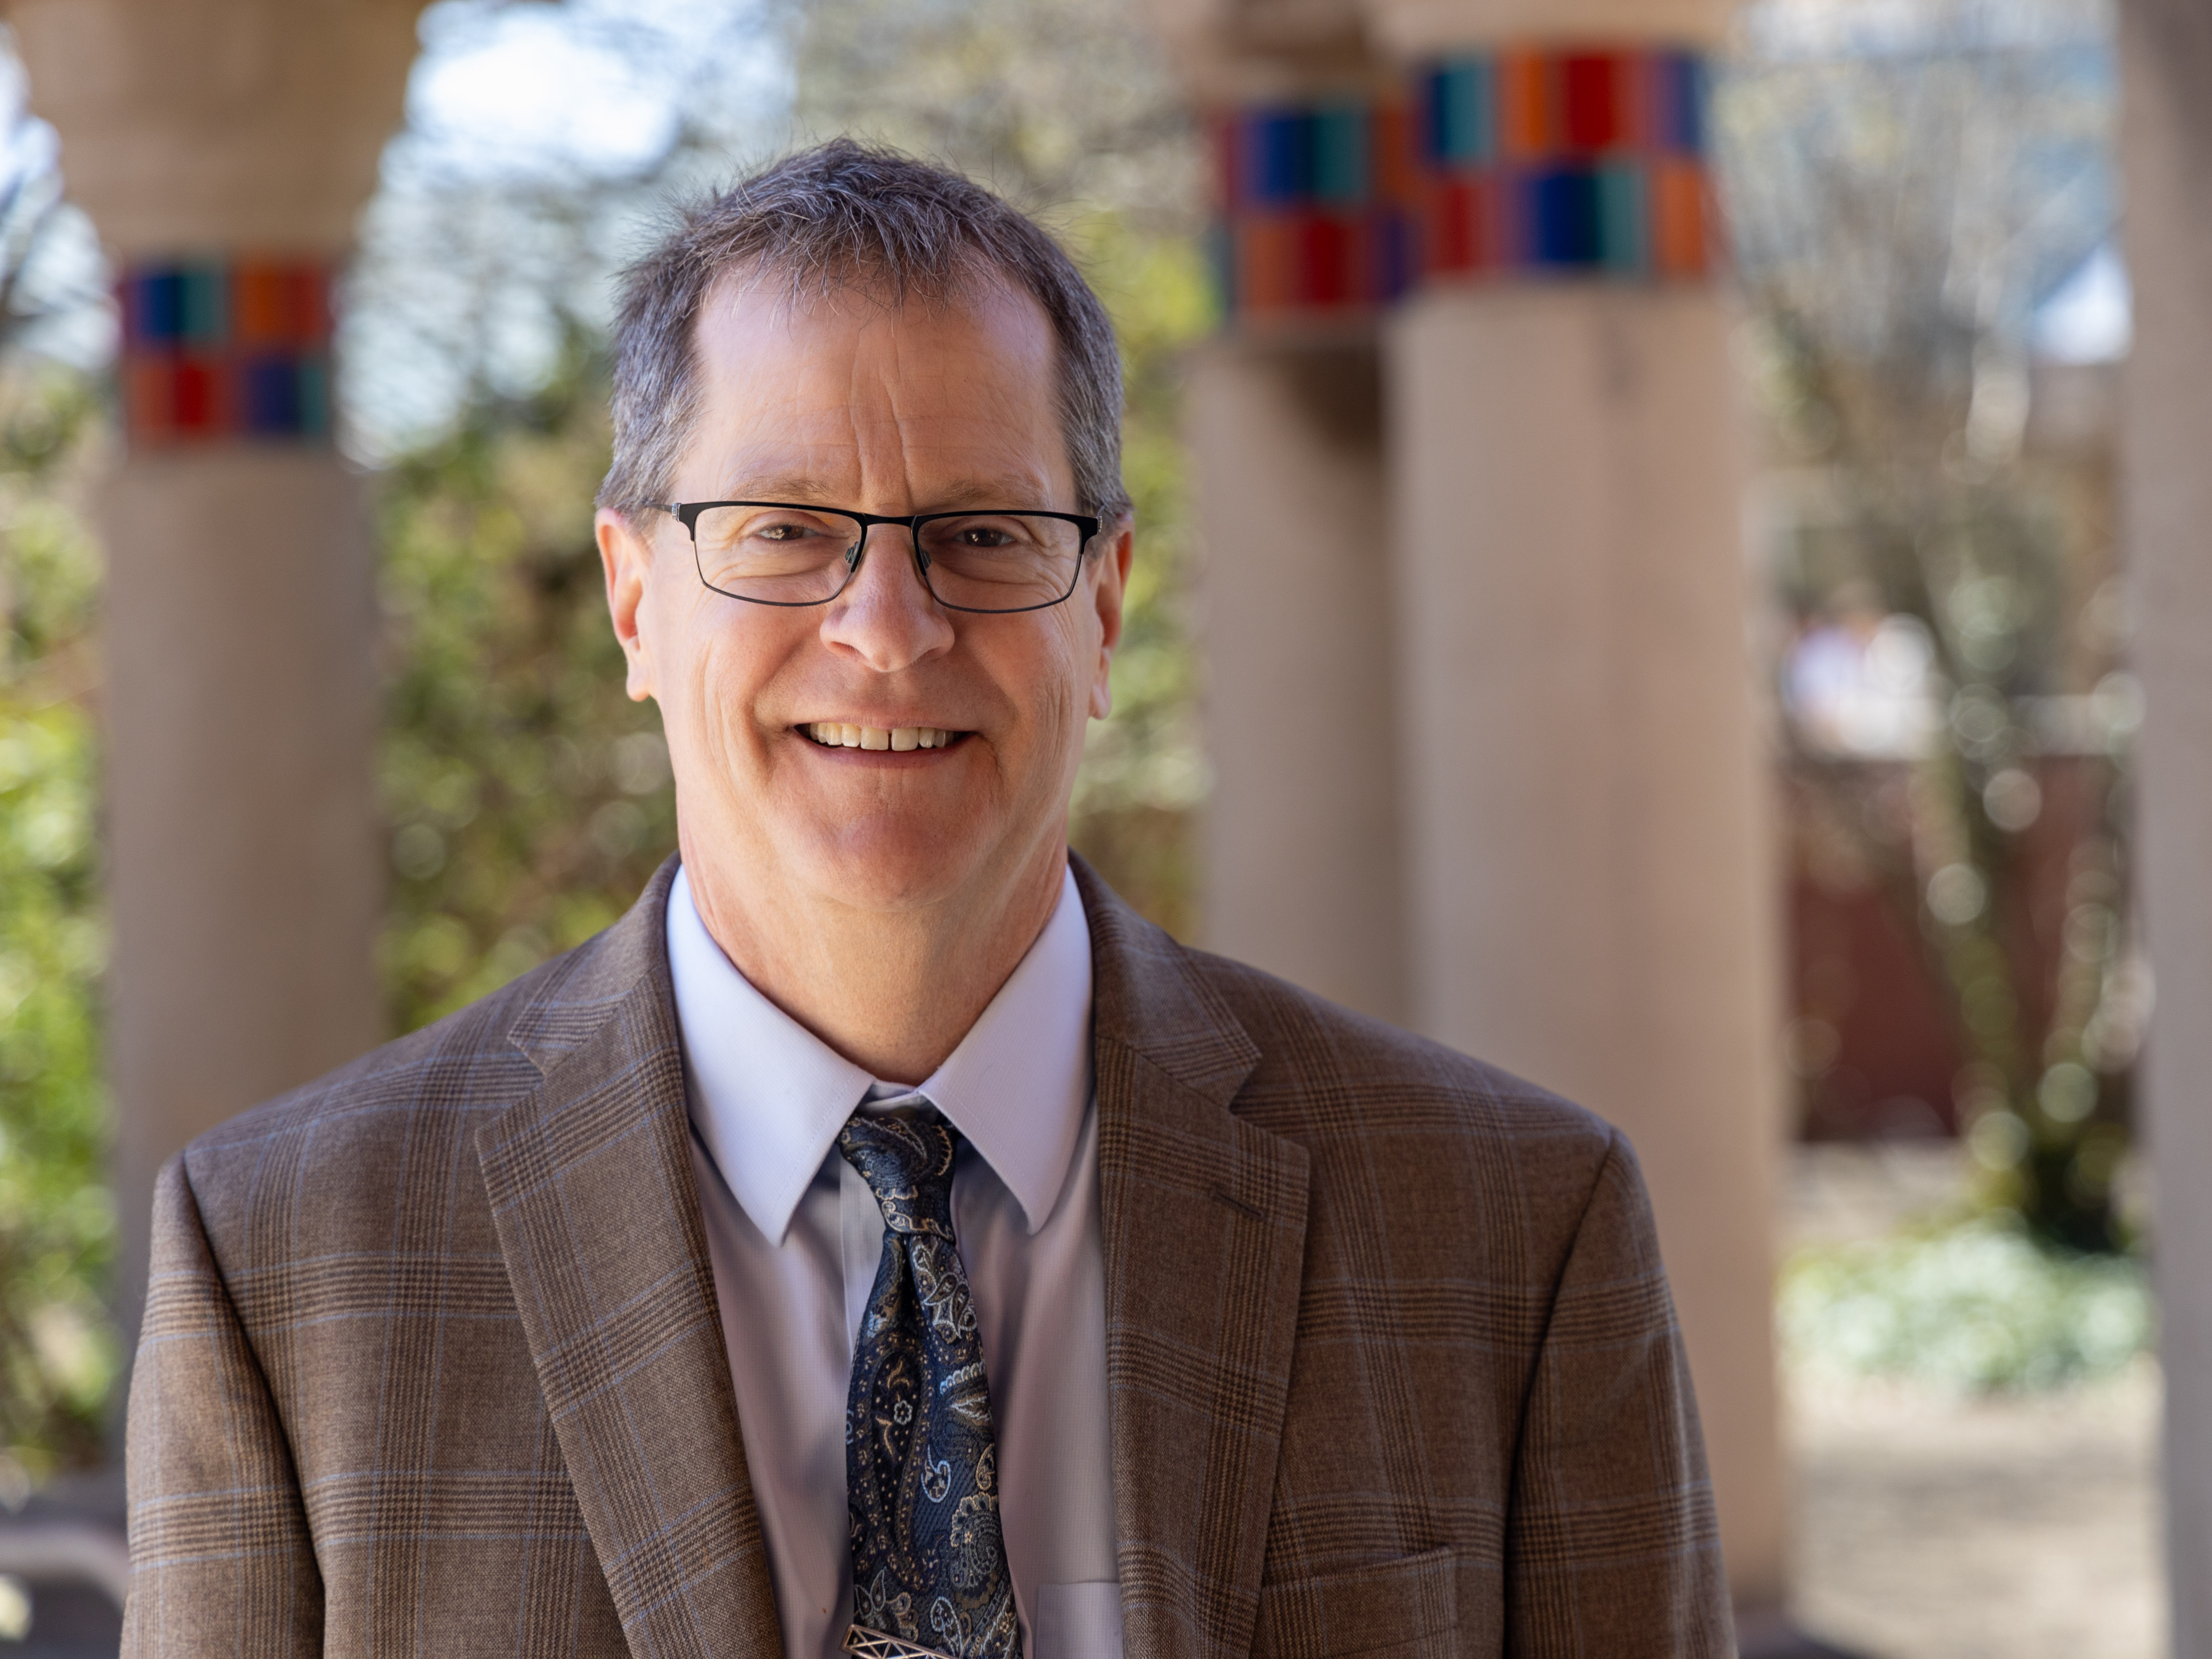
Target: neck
<point>894,992</point>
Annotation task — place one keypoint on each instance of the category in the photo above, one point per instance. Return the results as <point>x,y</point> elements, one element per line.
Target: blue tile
<point>1683,75</point>
<point>1564,219</point>
<point>1282,162</point>
<point>164,305</point>
<point>269,396</point>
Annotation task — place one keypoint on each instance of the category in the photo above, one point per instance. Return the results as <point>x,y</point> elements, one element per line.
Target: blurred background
<point>1667,535</point>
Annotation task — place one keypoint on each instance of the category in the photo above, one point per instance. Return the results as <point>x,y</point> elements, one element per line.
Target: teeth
<point>900,738</point>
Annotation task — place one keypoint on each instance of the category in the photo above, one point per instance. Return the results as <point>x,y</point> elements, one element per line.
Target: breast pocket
<point>1397,1609</point>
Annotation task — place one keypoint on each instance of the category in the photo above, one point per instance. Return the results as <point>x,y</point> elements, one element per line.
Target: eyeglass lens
<point>977,561</point>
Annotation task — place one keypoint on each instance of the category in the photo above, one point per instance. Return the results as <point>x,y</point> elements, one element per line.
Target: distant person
<point>882,1240</point>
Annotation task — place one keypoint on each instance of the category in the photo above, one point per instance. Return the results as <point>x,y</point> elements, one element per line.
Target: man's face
<point>847,402</point>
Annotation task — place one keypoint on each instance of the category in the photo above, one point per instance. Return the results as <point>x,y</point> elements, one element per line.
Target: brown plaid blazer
<point>432,1363</point>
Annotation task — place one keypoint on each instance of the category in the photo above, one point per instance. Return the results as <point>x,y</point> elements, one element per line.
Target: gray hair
<point>844,215</point>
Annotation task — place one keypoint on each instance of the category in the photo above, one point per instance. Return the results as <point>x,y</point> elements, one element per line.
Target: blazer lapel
<point>1203,1219</point>
<point>591,1192</point>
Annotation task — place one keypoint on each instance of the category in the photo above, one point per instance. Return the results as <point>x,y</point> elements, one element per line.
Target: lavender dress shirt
<point>794,1236</point>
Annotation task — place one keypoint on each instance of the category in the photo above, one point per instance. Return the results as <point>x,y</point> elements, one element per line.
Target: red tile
<point>1591,99</point>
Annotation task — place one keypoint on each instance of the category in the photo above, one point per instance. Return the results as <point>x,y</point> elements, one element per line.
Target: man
<point>882,1240</point>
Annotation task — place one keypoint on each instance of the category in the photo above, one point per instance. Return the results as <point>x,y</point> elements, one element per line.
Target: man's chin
<point>871,864</point>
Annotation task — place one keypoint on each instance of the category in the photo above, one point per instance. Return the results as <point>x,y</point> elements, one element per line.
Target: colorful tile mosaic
<point>1520,164</point>
<point>226,350</point>
<point>1316,207</point>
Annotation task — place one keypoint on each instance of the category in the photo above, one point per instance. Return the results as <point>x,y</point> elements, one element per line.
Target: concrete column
<point>1589,882</point>
<point>1301,849</point>
<point>1587,853</point>
<point>2166,528</point>
<point>241,699</point>
<point>1302,834</point>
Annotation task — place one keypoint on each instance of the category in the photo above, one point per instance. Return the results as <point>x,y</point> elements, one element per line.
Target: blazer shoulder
<point>1323,1066</point>
<point>349,1127</point>
<point>485,1056</point>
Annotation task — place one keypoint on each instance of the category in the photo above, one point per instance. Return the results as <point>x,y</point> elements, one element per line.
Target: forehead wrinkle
<point>946,457</point>
<point>871,446</point>
<point>873,385</point>
<point>1008,404</point>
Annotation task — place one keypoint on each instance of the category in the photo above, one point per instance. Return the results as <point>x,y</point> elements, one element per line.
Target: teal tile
<point>315,397</point>
<point>1468,111</point>
<point>1342,162</point>
<point>1624,217</point>
<point>206,307</point>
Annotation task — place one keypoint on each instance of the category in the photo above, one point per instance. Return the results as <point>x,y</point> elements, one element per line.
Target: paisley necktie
<point>929,1565</point>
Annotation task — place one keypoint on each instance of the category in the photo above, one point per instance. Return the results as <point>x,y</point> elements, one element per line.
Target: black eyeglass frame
<point>687,514</point>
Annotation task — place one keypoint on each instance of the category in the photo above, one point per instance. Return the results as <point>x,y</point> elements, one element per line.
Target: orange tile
<point>1680,227</point>
<point>1527,120</point>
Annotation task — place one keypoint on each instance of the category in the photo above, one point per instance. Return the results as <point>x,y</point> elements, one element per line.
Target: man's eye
<point>786,532</point>
<point>978,535</point>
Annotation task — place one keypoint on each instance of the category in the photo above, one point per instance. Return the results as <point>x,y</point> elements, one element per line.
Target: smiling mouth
<point>832,734</point>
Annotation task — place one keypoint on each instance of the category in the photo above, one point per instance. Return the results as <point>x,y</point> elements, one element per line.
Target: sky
<point>593,86</point>
<point>2089,317</point>
<point>532,163</point>
<point>65,274</point>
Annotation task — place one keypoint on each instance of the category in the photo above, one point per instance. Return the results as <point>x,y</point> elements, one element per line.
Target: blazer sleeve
<point>1612,1547</point>
<point>220,1560</point>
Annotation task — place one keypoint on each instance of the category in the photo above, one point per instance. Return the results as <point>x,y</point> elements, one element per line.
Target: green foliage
<point>527,796</point>
<point>57,1352</point>
<point>1144,773</point>
<point>1974,1308</point>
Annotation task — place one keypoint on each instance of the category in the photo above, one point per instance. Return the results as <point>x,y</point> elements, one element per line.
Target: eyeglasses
<point>789,554</point>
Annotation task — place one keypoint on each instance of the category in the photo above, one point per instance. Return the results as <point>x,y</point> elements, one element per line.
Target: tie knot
<point>908,1164</point>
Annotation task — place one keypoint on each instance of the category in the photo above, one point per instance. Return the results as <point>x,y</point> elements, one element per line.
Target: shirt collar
<point>767,1095</point>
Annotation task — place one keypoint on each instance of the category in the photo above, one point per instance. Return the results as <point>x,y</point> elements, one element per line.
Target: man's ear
<point>626,559</point>
<point>1108,590</point>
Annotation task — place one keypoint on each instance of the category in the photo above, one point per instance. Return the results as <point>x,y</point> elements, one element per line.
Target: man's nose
<point>886,613</point>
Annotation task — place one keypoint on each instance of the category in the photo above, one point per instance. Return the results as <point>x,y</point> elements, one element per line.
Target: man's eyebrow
<point>800,490</point>
<point>992,492</point>
<point>778,487</point>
